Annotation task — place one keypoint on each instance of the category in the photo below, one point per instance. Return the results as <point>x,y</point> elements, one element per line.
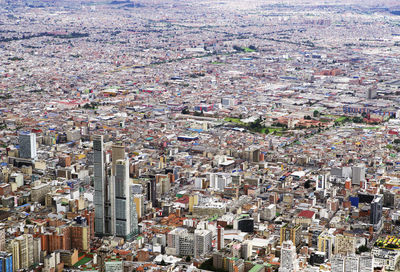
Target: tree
<point>363,248</point>
<point>316,113</point>
<point>188,259</point>
<point>308,117</point>
<point>185,111</point>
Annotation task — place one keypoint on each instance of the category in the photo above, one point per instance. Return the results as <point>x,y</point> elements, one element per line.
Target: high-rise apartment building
<point>22,251</point>
<point>366,262</point>
<point>351,263</point>
<point>337,263</point>
<point>345,244</point>
<point>202,242</point>
<point>289,262</point>
<point>358,174</point>
<point>291,232</point>
<point>27,145</point>
<point>325,243</point>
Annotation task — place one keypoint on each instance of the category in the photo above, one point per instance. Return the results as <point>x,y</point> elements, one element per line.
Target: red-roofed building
<point>305,218</point>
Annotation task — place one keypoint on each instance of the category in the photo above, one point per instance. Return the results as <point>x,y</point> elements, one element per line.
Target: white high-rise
<point>358,174</point>
<point>337,263</point>
<point>124,212</point>
<point>202,242</point>
<point>289,262</point>
<point>366,262</point>
<point>351,264</point>
<point>27,145</point>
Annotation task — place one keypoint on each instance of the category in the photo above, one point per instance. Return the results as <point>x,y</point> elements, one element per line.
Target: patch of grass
<point>371,128</point>
<point>234,120</point>
<point>341,119</point>
<point>248,50</point>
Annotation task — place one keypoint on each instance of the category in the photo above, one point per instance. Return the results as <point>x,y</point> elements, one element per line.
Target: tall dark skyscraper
<point>103,226</point>
<point>376,211</point>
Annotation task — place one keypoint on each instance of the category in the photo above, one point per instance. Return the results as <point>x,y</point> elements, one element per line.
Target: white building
<point>289,262</point>
<point>366,262</point>
<point>337,263</point>
<point>202,242</point>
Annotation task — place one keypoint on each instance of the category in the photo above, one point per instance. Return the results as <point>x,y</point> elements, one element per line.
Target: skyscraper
<point>115,208</point>
<point>124,210</point>
<point>118,153</point>
<point>27,145</point>
<point>102,223</point>
<point>376,211</point>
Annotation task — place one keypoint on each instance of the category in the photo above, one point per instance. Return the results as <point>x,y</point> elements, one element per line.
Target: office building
<point>125,209</point>
<point>376,212</point>
<point>102,203</point>
<point>245,224</point>
<point>118,153</point>
<point>115,208</point>
<point>6,262</point>
<point>27,145</point>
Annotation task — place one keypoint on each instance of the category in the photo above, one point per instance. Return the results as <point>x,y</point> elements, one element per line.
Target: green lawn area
<point>84,260</point>
<point>234,120</point>
<point>248,50</point>
<point>217,62</point>
<point>341,119</point>
<point>275,129</point>
<point>371,128</point>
